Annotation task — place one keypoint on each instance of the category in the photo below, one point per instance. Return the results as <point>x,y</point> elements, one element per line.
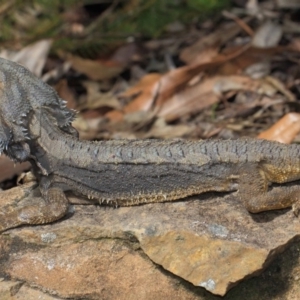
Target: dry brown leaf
<point>204,55</point>
<point>295,44</point>
<point>127,53</point>
<point>92,113</point>
<point>173,81</point>
<point>239,21</point>
<point>96,99</point>
<point>139,118</point>
<point>192,53</point>
<point>154,90</point>
<point>243,83</point>
<point>115,115</point>
<point>95,69</point>
<point>195,98</point>
<point>190,100</point>
<point>33,56</point>
<point>162,130</point>
<point>284,130</point>
<point>101,100</point>
<point>146,89</point>
<point>268,35</point>
<point>247,58</point>
<point>160,88</point>
<point>280,87</point>
<point>288,4</point>
<point>66,93</point>
<point>88,128</point>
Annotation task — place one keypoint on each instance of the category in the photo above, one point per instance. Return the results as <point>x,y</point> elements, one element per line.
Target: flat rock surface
<point>163,250</point>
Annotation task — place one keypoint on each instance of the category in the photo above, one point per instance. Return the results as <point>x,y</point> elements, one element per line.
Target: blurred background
<point>192,69</point>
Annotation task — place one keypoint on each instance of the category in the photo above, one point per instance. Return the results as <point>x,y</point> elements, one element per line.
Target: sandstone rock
<point>8,289</point>
<point>14,290</point>
<point>105,269</point>
<point>97,252</point>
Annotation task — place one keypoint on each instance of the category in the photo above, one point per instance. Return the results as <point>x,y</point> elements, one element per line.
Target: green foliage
<point>207,5</point>
<point>150,18</point>
<point>25,21</point>
<point>29,20</point>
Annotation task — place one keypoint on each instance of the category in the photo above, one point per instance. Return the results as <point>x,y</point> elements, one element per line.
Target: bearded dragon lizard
<point>35,126</point>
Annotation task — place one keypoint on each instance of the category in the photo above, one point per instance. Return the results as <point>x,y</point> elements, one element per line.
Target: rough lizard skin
<point>21,93</point>
<point>124,172</point>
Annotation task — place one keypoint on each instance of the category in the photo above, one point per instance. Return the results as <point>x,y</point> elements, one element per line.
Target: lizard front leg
<point>55,206</point>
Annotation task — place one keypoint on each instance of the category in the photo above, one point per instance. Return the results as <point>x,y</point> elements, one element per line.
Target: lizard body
<point>124,172</point>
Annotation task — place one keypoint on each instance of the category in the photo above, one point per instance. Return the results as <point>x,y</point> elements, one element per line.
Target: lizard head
<point>21,95</point>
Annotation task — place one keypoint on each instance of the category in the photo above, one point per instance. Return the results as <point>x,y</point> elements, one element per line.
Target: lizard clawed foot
<point>54,207</point>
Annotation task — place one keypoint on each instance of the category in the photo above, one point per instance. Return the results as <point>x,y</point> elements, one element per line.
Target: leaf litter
<point>232,77</point>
